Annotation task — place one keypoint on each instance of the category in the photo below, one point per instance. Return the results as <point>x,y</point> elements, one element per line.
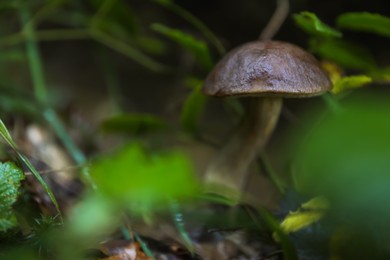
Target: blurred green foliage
<point>365,22</point>
<point>347,54</point>
<point>133,124</point>
<point>345,159</point>
<point>329,44</point>
<point>143,181</point>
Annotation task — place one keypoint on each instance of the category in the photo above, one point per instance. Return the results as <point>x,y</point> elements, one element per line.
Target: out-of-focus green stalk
<point>34,58</point>
<point>36,68</point>
<point>195,22</point>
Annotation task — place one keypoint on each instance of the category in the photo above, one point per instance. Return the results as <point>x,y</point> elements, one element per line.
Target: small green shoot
<point>311,24</point>
<point>365,22</point>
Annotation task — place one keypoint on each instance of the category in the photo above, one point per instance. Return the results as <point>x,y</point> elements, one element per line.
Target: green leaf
<point>198,48</point>
<point>346,54</point>
<point>366,22</point>
<point>192,109</point>
<point>309,213</point>
<point>144,181</point>
<point>10,181</point>
<point>350,82</point>
<point>134,124</point>
<point>310,23</point>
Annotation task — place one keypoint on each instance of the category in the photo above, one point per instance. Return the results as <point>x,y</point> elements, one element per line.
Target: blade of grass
<point>36,68</point>
<point>8,139</point>
<point>195,22</point>
<point>34,58</point>
<point>127,50</point>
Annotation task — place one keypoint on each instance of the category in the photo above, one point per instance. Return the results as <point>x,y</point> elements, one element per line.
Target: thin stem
<point>195,22</point>
<point>34,58</point>
<point>144,246</point>
<point>127,50</point>
<point>276,20</point>
<point>101,12</point>
<point>45,35</point>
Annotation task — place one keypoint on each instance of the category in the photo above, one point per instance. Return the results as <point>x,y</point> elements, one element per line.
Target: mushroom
<point>266,71</point>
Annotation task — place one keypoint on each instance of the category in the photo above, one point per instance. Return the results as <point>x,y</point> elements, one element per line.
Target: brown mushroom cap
<point>267,68</point>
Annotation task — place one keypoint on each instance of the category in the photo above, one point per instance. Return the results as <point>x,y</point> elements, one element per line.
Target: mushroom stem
<point>228,171</point>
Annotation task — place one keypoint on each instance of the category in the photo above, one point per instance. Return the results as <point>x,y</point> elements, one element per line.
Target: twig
<point>276,20</point>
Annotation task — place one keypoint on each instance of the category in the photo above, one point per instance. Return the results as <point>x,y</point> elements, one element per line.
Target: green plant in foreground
<point>4,133</point>
<point>10,181</point>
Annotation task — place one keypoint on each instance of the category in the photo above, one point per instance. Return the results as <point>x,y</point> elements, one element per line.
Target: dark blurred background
<point>72,66</point>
